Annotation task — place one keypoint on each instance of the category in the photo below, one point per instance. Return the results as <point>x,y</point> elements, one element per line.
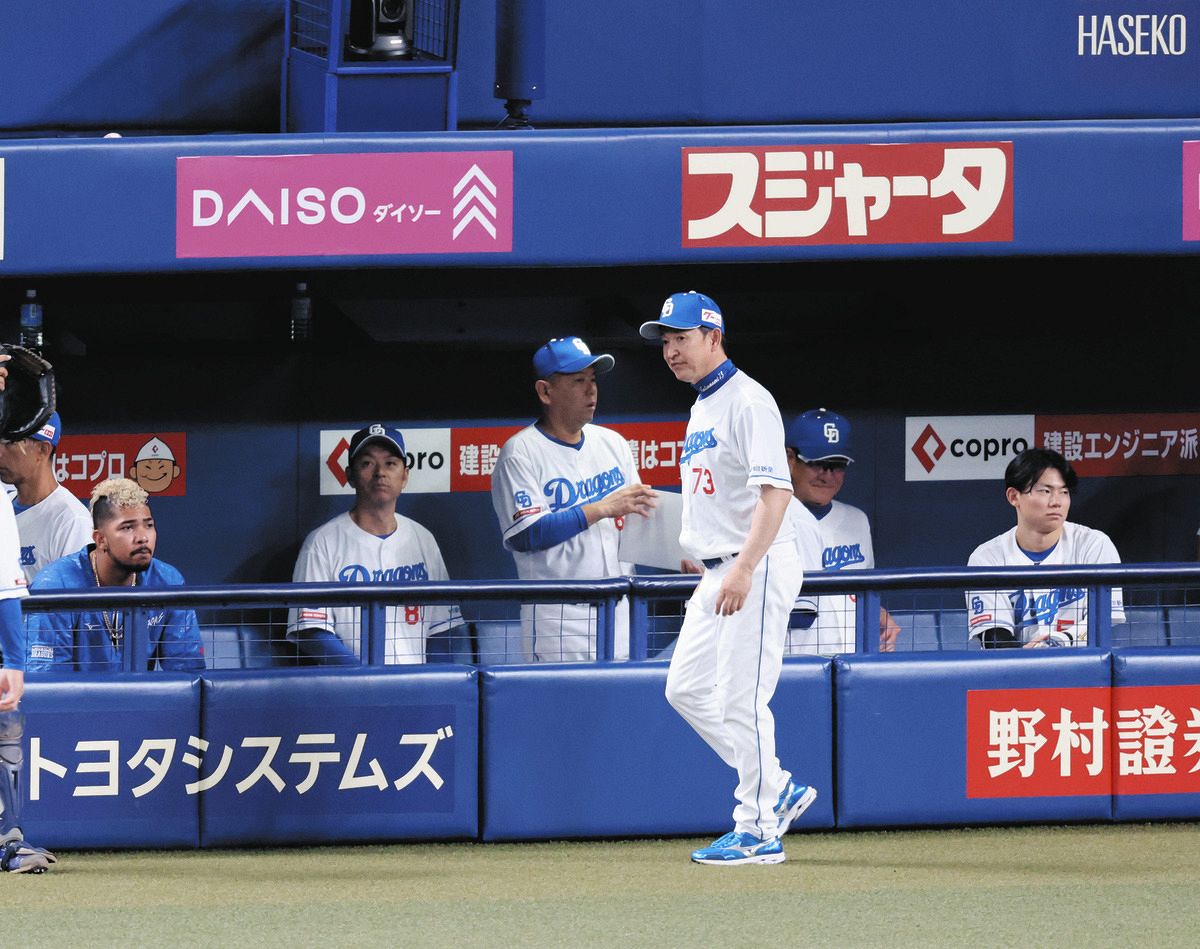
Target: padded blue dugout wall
<point>589,750</point>
<point>596,751</point>
<point>902,736</point>
<point>270,758</point>
<point>370,755</point>
<point>87,783</point>
<point>1156,667</point>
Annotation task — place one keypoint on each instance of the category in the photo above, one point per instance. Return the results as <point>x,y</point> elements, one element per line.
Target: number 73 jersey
<point>734,445</point>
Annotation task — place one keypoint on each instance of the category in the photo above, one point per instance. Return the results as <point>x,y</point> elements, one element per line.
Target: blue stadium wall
<point>552,752</point>
<point>169,64</point>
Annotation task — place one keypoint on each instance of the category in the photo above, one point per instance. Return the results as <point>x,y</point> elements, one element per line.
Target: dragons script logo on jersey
<point>696,443</point>
<point>843,555</point>
<point>1041,609</point>
<point>357,573</point>
<point>564,493</point>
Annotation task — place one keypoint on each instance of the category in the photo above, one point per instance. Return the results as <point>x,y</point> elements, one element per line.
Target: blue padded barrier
<point>104,761</point>
<point>1145,679</point>
<point>595,751</point>
<point>316,757</point>
<point>902,736</point>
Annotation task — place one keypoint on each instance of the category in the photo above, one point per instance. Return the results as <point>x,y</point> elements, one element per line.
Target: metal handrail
<point>136,601</point>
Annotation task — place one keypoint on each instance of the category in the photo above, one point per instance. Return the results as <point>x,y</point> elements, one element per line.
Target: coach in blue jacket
<point>122,555</point>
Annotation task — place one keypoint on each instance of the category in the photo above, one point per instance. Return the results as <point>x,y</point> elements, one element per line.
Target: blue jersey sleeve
<point>12,634</point>
<point>551,530</point>
<point>180,648</point>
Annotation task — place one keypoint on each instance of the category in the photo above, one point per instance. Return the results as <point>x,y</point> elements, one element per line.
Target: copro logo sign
<point>964,447</point>
<point>385,203</point>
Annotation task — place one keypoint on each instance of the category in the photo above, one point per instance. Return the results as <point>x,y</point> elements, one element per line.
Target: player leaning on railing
<point>27,400</point>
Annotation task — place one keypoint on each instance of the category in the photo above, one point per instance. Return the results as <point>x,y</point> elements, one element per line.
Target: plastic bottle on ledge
<point>31,322</point>
<point>301,314</point>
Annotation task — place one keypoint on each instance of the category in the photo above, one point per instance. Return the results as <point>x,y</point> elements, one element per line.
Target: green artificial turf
<point>1131,885</point>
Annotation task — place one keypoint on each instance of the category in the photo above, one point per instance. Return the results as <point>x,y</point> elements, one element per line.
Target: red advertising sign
<point>904,193</point>
<point>354,204</point>
<point>1059,742</point>
<point>655,447</point>
<point>473,454</point>
<point>156,462</point>
<point>1116,445</point>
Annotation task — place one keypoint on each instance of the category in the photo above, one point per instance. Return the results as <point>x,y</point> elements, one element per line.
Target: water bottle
<point>31,322</point>
<point>301,314</point>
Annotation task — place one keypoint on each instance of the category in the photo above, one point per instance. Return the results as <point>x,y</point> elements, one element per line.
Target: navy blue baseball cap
<point>819,435</point>
<point>378,434</point>
<point>51,430</point>
<point>685,311</point>
<point>568,354</point>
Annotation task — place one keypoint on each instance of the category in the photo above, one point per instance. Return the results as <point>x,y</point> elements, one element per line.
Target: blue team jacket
<point>80,642</point>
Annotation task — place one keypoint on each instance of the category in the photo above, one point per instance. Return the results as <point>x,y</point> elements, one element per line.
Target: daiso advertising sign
<point>385,203</point>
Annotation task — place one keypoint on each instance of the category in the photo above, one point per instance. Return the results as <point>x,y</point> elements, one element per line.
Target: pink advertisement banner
<point>386,203</point>
<point>1191,191</point>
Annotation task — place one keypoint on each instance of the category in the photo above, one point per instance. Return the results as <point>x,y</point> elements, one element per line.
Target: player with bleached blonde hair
<point>121,555</point>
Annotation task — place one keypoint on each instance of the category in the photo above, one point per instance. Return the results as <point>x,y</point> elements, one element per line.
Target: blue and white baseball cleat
<point>19,857</point>
<point>734,850</point>
<point>793,801</point>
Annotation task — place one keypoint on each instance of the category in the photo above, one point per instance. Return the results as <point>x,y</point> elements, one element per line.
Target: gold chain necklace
<point>114,623</point>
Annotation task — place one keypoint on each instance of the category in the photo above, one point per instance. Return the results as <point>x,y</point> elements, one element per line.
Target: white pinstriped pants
<point>724,672</point>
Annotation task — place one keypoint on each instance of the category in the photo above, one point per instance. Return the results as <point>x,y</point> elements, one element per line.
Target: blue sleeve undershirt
<point>551,530</point>
<point>12,634</point>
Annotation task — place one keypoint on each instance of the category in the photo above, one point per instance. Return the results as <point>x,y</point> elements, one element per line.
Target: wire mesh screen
<point>434,26</point>
<point>310,26</point>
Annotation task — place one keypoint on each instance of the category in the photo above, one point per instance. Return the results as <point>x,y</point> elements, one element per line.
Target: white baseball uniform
<point>1062,612</point>
<point>845,544</point>
<point>56,526</point>
<point>341,551</point>
<point>12,584</point>
<point>537,475</point>
<point>725,668</point>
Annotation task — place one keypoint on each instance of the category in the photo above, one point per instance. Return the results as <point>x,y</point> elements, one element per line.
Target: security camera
<point>379,29</point>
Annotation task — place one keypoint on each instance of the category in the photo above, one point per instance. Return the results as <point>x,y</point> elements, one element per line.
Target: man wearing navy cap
<point>818,446</point>
<point>371,543</point>
<point>559,489</point>
<point>51,521</point>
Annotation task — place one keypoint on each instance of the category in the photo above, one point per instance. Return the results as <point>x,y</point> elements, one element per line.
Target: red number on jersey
<point>412,615</point>
<point>703,482</point>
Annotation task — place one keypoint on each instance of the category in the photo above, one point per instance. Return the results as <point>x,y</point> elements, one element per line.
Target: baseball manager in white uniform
<point>1038,483</point>
<point>729,653</point>
<point>560,488</point>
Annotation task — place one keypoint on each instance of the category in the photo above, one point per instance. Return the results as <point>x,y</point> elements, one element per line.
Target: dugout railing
<point>243,626</point>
